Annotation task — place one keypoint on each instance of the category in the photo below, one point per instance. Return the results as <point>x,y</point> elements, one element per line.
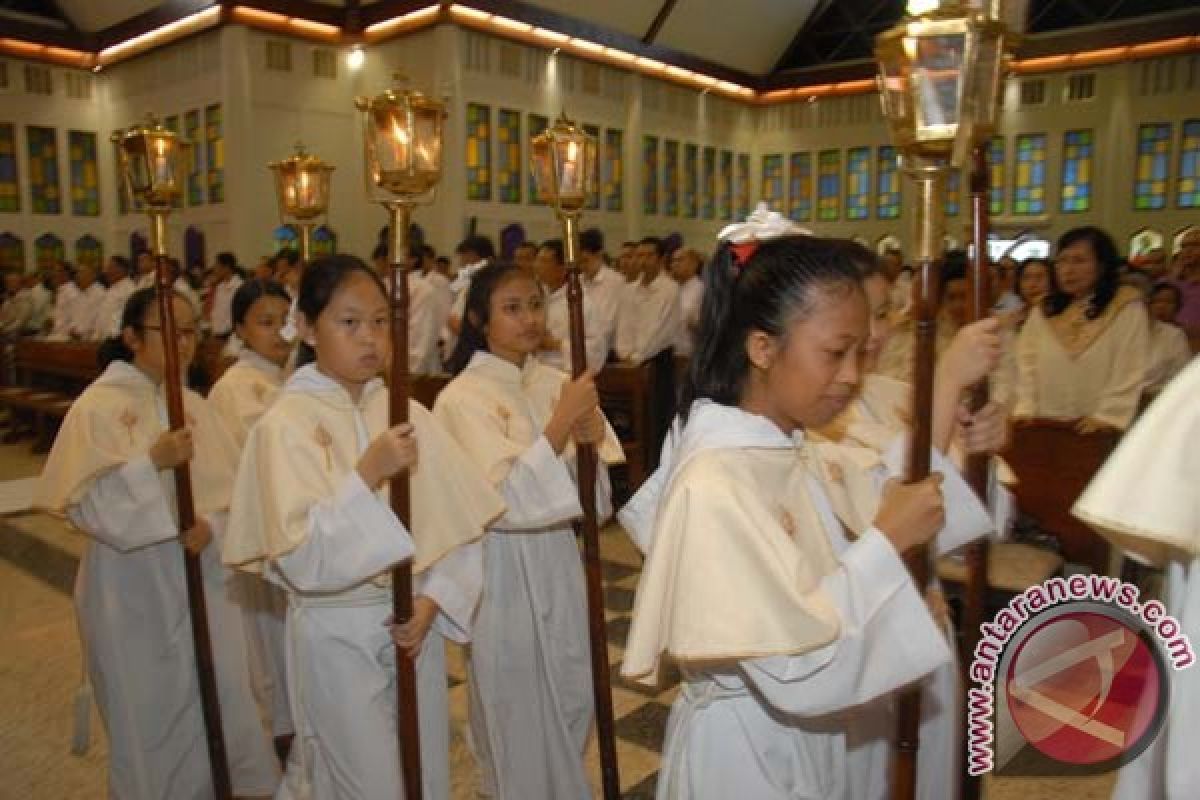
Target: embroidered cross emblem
<point>260,392</point>
<point>325,442</point>
<point>129,419</point>
<point>505,415</point>
<point>788,522</point>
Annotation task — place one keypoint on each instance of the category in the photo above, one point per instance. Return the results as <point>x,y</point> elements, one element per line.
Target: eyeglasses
<point>183,333</point>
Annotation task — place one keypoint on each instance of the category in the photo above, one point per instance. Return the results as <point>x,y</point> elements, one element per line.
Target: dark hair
<point>1023,267</point>
<point>555,246</point>
<point>320,282</point>
<point>477,311</point>
<point>132,316</point>
<point>954,268</point>
<point>122,263</point>
<point>528,244</point>
<point>1176,292</point>
<point>479,245</point>
<point>660,247</point>
<point>775,285</point>
<point>251,292</point>
<point>227,259</point>
<point>628,244</point>
<point>427,251</point>
<point>380,251</point>
<point>591,241</point>
<point>291,256</point>
<point>1108,262</point>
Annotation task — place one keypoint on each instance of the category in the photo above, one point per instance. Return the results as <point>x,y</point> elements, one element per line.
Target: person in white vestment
<point>310,513</point>
<point>66,297</point>
<point>42,303</point>
<point>685,269</point>
<point>84,318</point>
<point>258,310</point>
<point>120,286</point>
<point>474,253</point>
<point>110,473</point>
<point>1169,348</point>
<point>777,636</point>
<point>1083,355</point>
<point>555,351</point>
<point>227,282</point>
<point>1144,500</point>
<point>530,697</point>
<point>604,285</point>
<point>648,320</point>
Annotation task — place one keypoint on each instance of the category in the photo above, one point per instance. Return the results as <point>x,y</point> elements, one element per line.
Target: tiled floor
<point>40,668</point>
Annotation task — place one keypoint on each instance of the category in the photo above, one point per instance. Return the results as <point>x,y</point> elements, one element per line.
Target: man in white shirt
<point>424,320</point>
<point>120,287</point>
<point>473,253</point>
<point>66,295</point>
<point>685,269</point>
<point>440,294</point>
<point>627,263</point>
<point>87,305</point>
<point>648,320</point>
<point>145,270</point>
<point>603,284</point>
<point>41,303</point>
<point>556,345</point>
<point>14,313</point>
<point>228,281</point>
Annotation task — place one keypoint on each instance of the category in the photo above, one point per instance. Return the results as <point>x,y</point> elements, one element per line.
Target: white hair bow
<point>761,225</point>
<point>463,279</point>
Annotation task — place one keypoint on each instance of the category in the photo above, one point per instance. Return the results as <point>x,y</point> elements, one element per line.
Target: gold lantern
<point>302,190</point>
<point>154,165</point>
<point>563,160</point>
<point>402,146</point>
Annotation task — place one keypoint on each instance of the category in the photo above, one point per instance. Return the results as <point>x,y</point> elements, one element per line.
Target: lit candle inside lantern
<point>161,168</point>
<point>399,145</point>
<point>304,199</point>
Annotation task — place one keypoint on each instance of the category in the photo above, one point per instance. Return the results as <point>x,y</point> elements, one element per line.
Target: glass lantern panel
<point>542,167</point>
<point>937,75</point>
<point>985,93</point>
<point>571,162</point>
<point>389,137</point>
<point>428,131</point>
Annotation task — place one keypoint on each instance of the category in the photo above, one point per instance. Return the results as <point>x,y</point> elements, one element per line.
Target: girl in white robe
<point>1144,500</point>
<point>530,700</point>
<point>259,310</point>
<point>1083,355</point>
<point>310,513</point>
<point>109,473</point>
<point>775,635</point>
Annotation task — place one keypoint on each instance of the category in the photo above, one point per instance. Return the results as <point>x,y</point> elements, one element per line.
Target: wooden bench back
<point>1054,464</point>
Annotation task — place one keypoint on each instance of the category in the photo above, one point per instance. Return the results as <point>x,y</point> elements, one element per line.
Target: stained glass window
<point>43,170</point>
<point>1153,157</point>
<point>593,201</point>
<point>829,185</point>
<point>537,124</point>
<point>953,200</point>
<point>1189,166</point>
<point>324,241</point>
<point>10,192</point>
<point>708,183</point>
<point>48,249</point>
<point>671,178</point>
<point>85,182</point>
<point>1029,184</point>
<point>479,144</point>
<point>12,252</point>
<point>690,180</point>
<point>508,156</point>
<point>214,153</point>
<point>772,181</point>
<point>996,178</point>
<point>649,174</point>
<point>1078,148</point>
<point>614,170</point>
<point>285,237</point>
<point>887,199</point>
<point>858,183</point>
<point>123,202</point>
<point>743,185</point>
<point>89,251</point>
<point>195,179</point>
<point>800,187</point>
<point>725,185</point>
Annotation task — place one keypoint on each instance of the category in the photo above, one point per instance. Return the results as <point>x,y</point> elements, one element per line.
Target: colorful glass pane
<point>743,185</point>
<point>508,156</point>
<point>12,252</point>
<point>1188,191</point>
<point>1029,183</point>
<point>953,199</point>
<point>671,178</point>
<point>214,153</point>
<point>85,178</point>
<point>593,201</point>
<point>725,185</point>
<point>479,152</point>
<point>858,183</point>
<point>1151,171</point>
<point>43,170</point>
<point>649,174</point>
<point>829,185</point>
<point>800,187</point>
<point>690,180</point>
<point>195,177</point>
<point>537,124</point>
<point>1078,153</point>
<point>614,168</point>
<point>324,241</point>
<point>772,181</point>
<point>996,178</point>
<point>708,183</point>
<point>887,199</point>
<point>10,191</point>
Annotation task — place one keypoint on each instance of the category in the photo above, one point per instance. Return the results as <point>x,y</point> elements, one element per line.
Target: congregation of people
<point>774,583</point>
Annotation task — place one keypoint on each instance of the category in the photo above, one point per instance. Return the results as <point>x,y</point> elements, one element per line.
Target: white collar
<point>252,359</point>
<point>310,380</point>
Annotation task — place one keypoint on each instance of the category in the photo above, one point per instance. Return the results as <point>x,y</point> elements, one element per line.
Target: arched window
<point>12,252</point>
<point>286,237</point>
<point>1177,242</point>
<point>47,249</point>
<point>888,242</point>
<point>324,241</point>
<point>89,251</point>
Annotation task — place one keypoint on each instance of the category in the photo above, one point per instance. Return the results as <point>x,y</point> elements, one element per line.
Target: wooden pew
<point>425,388</point>
<point>50,375</point>
<point>1054,464</point>
<point>625,395</point>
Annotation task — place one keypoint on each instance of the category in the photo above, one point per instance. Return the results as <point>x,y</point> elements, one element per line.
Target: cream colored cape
<point>738,552</point>
<point>497,411</point>
<point>244,393</point>
<point>1145,499</point>
<point>116,420</point>
<point>306,445</point>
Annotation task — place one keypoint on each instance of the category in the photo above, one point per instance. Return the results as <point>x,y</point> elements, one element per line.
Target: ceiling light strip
<point>160,36</point>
